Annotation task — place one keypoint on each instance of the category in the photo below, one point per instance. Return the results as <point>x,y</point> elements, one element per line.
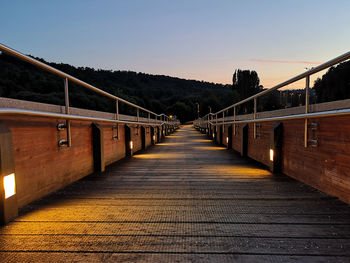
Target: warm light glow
<point>202,140</point>
<point>171,117</point>
<point>159,156</point>
<point>154,137</point>
<point>227,140</point>
<point>9,185</point>
<point>213,136</point>
<point>210,148</point>
<point>174,136</point>
<point>131,145</point>
<point>271,155</point>
<point>235,171</point>
<point>168,144</point>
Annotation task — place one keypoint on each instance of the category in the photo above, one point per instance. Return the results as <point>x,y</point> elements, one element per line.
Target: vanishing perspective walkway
<point>183,200</point>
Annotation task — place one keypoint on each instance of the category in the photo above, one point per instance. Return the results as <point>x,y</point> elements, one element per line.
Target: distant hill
<point>158,93</point>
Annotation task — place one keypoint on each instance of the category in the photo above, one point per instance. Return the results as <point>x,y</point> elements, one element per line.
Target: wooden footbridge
<point>87,186</point>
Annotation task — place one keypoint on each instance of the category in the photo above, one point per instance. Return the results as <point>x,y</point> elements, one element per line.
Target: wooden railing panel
<point>114,149</point>
<point>41,166</point>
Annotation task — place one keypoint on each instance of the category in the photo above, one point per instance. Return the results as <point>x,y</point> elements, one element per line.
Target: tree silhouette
<point>246,83</point>
<point>335,84</point>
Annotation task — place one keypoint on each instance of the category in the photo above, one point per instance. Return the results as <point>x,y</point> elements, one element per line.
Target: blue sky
<point>194,39</point>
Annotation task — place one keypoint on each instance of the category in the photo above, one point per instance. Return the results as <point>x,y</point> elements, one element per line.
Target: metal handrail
<point>322,114</point>
<point>306,116</point>
<point>67,116</point>
<point>311,71</point>
<point>33,113</point>
<point>71,78</point>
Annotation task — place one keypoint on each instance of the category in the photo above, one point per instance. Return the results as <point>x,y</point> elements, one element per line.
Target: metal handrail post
<point>117,109</point>
<point>234,120</point>
<point>66,99</point>
<point>255,106</point>
<point>307,90</point>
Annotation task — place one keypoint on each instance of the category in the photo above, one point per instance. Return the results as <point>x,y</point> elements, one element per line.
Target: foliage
<point>335,84</point>
<point>161,94</point>
<point>246,83</point>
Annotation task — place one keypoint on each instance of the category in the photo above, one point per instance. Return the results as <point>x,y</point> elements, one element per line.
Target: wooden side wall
<point>114,149</point>
<point>41,166</point>
<point>148,136</point>
<point>237,138</point>
<point>325,165</point>
<point>136,138</point>
<point>225,134</point>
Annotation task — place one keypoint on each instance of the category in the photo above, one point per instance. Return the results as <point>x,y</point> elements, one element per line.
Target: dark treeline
<point>161,94</point>
<point>335,84</point>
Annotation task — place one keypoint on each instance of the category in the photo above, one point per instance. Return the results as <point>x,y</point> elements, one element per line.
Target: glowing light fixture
<point>227,140</point>
<point>9,185</point>
<point>213,135</point>
<point>271,155</point>
<point>154,137</point>
<point>131,145</point>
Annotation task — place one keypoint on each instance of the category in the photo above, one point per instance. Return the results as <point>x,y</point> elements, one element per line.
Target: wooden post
<point>8,196</point>
<point>276,141</point>
<point>159,136</point>
<point>143,137</point>
<point>152,136</point>
<point>229,136</point>
<point>98,148</point>
<point>244,141</point>
<point>128,141</point>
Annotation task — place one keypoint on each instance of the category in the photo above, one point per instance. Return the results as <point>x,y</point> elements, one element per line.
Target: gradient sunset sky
<point>192,39</point>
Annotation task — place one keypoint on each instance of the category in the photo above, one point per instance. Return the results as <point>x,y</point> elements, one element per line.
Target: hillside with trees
<point>170,95</point>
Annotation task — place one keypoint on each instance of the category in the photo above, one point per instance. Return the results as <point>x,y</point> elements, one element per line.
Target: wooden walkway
<point>184,200</point>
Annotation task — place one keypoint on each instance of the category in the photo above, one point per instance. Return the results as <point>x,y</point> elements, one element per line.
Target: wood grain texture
<point>325,166</point>
<point>258,148</point>
<point>136,137</point>
<point>41,166</point>
<point>236,138</point>
<point>148,136</point>
<point>114,148</point>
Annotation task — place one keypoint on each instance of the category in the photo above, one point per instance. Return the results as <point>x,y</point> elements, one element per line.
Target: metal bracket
<point>64,127</point>
<point>314,138</point>
<point>258,130</point>
<point>62,143</point>
<point>115,137</point>
<point>61,126</point>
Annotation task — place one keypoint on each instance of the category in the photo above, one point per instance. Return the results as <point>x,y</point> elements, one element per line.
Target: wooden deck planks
<point>183,200</point>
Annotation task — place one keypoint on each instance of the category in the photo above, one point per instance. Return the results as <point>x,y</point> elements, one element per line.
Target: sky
<point>193,39</point>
